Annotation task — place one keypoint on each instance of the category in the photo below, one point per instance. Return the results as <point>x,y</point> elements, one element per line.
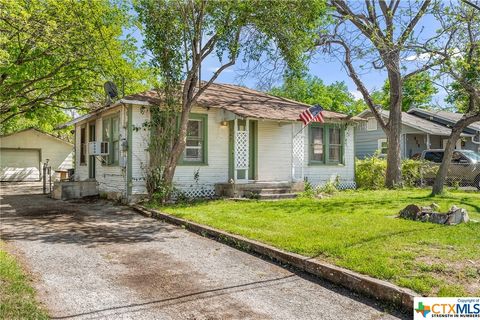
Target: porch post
<point>241,151</point>
<point>428,141</point>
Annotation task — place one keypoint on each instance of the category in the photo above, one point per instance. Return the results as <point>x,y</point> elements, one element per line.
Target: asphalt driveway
<point>92,259</point>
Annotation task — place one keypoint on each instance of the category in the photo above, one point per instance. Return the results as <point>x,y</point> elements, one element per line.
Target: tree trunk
<point>394,165</point>
<point>447,156</point>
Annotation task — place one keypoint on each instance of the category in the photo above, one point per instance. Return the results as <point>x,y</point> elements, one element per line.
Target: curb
<point>384,291</point>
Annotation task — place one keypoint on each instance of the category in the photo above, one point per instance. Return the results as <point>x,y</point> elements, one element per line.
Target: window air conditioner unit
<point>98,148</point>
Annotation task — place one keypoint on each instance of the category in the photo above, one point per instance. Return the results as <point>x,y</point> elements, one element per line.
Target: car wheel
<point>477,182</point>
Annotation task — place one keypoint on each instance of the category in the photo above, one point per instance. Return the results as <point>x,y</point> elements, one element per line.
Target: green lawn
<point>17,298</point>
<point>358,230</point>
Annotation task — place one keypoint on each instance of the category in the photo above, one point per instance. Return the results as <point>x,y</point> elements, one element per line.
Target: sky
<point>327,68</point>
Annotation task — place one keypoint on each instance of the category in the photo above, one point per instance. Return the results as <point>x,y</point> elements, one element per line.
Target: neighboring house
<point>471,140</point>
<point>417,134</point>
<point>23,153</point>
<point>235,136</point>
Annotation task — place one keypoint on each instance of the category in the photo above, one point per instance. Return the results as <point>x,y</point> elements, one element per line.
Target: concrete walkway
<point>94,260</point>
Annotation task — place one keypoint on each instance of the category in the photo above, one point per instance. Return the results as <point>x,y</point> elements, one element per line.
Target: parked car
<point>464,167</point>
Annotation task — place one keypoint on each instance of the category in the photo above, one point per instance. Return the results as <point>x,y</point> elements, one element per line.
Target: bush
<point>370,172</point>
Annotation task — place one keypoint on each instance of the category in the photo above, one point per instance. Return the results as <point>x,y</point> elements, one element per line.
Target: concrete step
<point>274,190</point>
<point>276,196</point>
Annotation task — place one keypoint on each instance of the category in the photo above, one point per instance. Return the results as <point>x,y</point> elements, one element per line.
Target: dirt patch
<point>464,273</point>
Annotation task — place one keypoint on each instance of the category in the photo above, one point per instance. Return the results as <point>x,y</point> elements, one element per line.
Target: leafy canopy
<point>55,55</point>
<point>418,91</point>
<point>311,90</point>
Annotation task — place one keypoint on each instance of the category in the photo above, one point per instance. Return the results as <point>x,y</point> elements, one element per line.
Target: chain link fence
<point>463,170</point>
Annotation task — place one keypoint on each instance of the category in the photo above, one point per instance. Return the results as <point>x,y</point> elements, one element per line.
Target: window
<point>382,146</point>
<point>434,156</point>
<point>371,124</point>
<point>196,143</point>
<point>83,146</point>
<point>317,144</point>
<point>111,134</point>
<point>334,144</point>
<point>326,144</point>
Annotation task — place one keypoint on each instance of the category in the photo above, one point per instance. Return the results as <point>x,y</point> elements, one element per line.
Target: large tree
<point>55,55</point>
<point>182,34</point>
<point>417,90</point>
<point>461,25</point>
<point>312,90</point>
<point>379,34</point>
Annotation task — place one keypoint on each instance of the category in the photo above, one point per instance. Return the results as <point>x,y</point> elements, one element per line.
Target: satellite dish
<point>110,89</point>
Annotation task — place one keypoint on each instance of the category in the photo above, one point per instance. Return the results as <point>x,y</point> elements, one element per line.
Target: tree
<point>312,90</point>
<point>55,55</point>
<point>182,34</point>
<point>379,34</point>
<point>417,92</point>
<point>461,23</point>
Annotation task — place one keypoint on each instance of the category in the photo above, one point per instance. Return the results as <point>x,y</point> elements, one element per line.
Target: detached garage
<point>23,153</point>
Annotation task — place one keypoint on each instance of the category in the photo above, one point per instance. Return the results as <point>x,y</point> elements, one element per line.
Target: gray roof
<point>418,123</point>
<point>446,115</point>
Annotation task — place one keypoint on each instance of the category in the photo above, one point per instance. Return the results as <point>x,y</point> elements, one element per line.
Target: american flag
<point>313,113</point>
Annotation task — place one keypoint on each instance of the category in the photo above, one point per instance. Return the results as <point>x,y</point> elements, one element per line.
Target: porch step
<point>274,190</point>
<point>276,196</point>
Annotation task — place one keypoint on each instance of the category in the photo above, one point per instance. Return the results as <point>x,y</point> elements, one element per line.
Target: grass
<point>359,230</point>
<point>17,296</point>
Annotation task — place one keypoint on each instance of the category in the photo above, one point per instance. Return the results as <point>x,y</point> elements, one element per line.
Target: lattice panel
<point>298,154</point>
<point>343,185</point>
<point>195,192</point>
<point>241,150</point>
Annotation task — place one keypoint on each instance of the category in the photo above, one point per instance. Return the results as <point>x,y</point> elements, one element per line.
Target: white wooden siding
<point>217,169</point>
<point>319,174</point>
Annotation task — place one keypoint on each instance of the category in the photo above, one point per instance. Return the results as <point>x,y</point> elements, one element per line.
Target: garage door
<point>19,165</point>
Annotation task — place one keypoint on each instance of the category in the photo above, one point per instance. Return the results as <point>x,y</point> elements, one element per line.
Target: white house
<point>22,154</point>
<point>236,137</point>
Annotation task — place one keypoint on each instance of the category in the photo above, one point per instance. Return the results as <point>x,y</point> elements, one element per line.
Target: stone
<point>457,216</point>
<point>434,206</point>
<point>439,218</point>
<point>411,212</point>
<point>425,217</point>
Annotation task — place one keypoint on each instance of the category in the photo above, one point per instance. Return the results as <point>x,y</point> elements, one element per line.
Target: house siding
<point>320,174</point>
<point>366,142</point>
<point>111,179</point>
<point>274,156</point>
<point>216,169</point>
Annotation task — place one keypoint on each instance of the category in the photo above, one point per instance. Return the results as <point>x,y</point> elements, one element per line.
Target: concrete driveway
<point>95,260</point>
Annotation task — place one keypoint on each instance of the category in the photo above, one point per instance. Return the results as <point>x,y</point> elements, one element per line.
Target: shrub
<point>370,173</point>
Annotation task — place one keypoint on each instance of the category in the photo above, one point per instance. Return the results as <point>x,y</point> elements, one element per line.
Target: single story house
<point>23,153</point>
<point>418,134</point>
<point>237,138</point>
<point>448,119</point>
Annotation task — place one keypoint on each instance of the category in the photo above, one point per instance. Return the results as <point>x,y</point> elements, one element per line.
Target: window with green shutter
<point>326,144</point>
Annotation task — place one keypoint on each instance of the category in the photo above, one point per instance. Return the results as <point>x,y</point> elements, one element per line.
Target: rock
<point>411,212</point>
<point>425,217</point>
<point>426,210</point>
<point>439,218</point>
<point>434,206</point>
<point>457,216</point>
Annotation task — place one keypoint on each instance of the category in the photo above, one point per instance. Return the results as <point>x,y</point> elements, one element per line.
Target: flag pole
<point>300,130</point>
